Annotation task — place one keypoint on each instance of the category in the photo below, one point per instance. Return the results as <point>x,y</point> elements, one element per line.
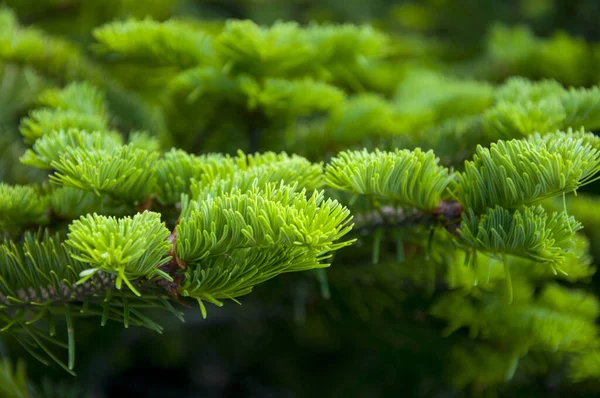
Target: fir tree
<point>171,163</point>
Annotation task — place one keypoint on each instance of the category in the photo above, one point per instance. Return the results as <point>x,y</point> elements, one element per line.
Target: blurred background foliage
<point>361,329</point>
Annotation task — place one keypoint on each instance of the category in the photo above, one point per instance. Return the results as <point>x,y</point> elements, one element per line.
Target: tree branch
<point>447,213</point>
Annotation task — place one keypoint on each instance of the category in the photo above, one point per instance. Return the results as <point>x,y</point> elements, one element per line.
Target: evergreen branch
<point>529,323</point>
<point>176,169</point>
<point>447,213</point>
<point>344,44</point>
<point>170,43</point>
<point>433,97</point>
<point>524,108</point>
<point>234,274</point>
<point>488,269</point>
<point>276,51</point>
<point>21,206</point>
<point>523,172</point>
<point>301,234</point>
<point>232,241</point>
<point>65,293</point>
<point>409,178</point>
<point>582,107</point>
<point>509,120</point>
<point>204,82</point>
<point>521,90</point>
<point>258,170</point>
<point>144,140</point>
<point>53,144</point>
<point>129,248</point>
<point>39,280</point>
<point>262,217</point>
<point>77,105</point>
<point>181,173</point>
<point>43,121</point>
<point>69,203</point>
<point>364,116</point>
<point>79,97</point>
<point>41,262</point>
<point>55,57</point>
<point>290,98</point>
<point>529,233</point>
<point>125,173</point>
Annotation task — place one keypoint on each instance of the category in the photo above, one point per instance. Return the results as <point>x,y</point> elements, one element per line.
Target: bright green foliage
<point>339,107</point>
<point>452,140</point>
<point>124,172</point>
<point>206,81</point>
<point>176,169</point>
<point>585,366</point>
<point>515,51</point>
<point>42,121</point>
<point>566,59</point>
<point>260,169</point>
<point>582,107</point>
<point>521,172</point>
<point>363,116</point>
<point>578,302</point>
<point>513,46</point>
<point>584,208</point>
<point>8,21</point>
<point>18,90</point>
<point>521,90</point>
<point>53,263</point>
<point>233,275</point>
<point>351,55</point>
<point>530,233</point>
<point>280,50</point>
<point>442,97</point>
<point>54,57</point>
<point>272,74</point>
<point>344,44</point>
<point>79,97</point>
<point>130,248</point>
<point>144,140</point>
<point>515,120</point>
<point>78,105</point>
<point>71,203</point>
<point>21,206</point>
<point>52,145</point>
<point>38,278</point>
<point>408,178</point>
<point>487,269</point>
<point>286,49</point>
<point>527,326</point>
<point>233,241</point>
<point>523,108</point>
<point>171,43</point>
<point>291,97</point>
<point>179,172</point>
<point>274,215</point>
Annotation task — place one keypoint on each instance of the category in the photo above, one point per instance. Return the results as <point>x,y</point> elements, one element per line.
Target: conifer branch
<point>65,293</point>
<point>448,213</point>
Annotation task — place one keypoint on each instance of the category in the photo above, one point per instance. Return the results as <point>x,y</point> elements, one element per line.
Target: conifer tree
<point>171,163</point>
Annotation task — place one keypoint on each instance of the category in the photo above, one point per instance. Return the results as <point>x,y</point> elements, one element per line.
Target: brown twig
<point>173,268</point>
<point>447,213</point>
